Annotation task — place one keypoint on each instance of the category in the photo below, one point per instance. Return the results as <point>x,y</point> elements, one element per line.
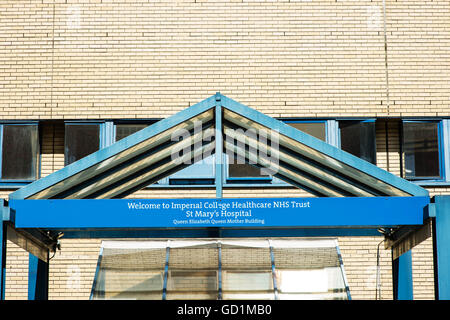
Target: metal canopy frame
<point>144,158</point>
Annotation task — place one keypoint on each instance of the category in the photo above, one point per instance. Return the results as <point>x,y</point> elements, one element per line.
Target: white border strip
<point>174,243</point>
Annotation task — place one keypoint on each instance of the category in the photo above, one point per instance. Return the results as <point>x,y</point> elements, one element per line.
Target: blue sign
<point>242,212</point>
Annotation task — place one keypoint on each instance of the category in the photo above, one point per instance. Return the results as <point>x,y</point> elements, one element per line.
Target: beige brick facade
<point>149,59</point>
<point>73,268</point>
<point>132,59</point>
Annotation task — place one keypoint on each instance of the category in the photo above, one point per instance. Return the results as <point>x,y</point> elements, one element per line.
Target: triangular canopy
<point>145,157</point>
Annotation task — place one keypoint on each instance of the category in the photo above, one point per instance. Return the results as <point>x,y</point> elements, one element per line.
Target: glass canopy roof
<point>306,167</point>
<point>146,157</point>
<point>262,269</point>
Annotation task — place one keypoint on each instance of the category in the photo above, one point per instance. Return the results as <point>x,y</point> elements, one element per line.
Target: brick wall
<point>72,269</point>
<point>388,145</point>
<point>360,263</point>
<point>114,59</point>
<point>417,34</point>
<point>423,274</point>
<point>52,147</point>
<point>98,59</point>
<point>16,283</point>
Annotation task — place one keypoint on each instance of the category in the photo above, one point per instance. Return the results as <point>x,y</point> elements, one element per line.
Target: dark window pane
<point>236,170</point>
<point>244,171</point>
<point>421,149</point>
<point>316,129</point>
<point>124,130</point>
<point>20,152</point>
<point>80,141</point>
<point>358,138</point>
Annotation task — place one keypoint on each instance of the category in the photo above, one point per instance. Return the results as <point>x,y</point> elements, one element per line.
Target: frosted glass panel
<point>199,269</point>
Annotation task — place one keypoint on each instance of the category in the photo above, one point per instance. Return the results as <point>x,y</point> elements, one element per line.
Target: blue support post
<point>402,277</point>
<point>274,278</point>
<point>166,272</point>
<point>37,278</point>
<point>441,246</point>
<point>219,144</point>
<point>4,216</point>
<point>98,287</point>
<point>219,280</point>
<point>2,256</point>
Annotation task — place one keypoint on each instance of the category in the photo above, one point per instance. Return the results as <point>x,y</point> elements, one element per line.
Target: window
<point>20,150</point>
<point>316,129</point>
<point>124,130</point>
<point>200,173</point>
<point>238,172</point>
<point>81,139</point>
<point>358,138</point>
<point>421,150</point>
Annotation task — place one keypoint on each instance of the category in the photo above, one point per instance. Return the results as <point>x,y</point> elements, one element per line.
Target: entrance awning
<point>301,269</point>
<point>213,126</point>
<point>216,123</point>
<point>147,156</point>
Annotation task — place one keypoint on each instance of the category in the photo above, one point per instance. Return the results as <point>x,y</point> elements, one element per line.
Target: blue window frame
<point>20,160</point>
<point>423,150</point>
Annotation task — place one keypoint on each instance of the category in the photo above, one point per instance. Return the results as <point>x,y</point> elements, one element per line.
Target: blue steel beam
<point>38,275</point>
<point>219,146</point>
<point>402,277</point>
<point>99,292</point>
<point>2,256</point>
<point>344,277</point>
<point>4,217</point>
<point>219,272</point>
<point>441,243</point>
<point>274,277</point>
<point>166,272</point>
<point>227,212</point>
<point>221,233</point>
